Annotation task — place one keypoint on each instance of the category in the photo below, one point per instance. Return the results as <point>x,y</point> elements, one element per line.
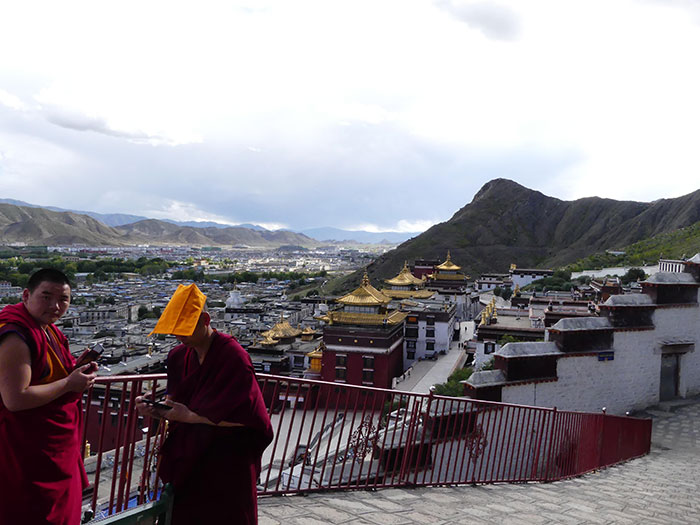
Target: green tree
<point>143,312</point>
<point>453,387</point>
<point>633,275</point>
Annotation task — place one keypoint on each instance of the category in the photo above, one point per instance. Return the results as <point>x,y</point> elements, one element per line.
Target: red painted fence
<point>334,436</point>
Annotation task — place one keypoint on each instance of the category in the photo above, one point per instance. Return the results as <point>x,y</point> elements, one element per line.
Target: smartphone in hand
<point>89,355</point>
<point>156,404</point>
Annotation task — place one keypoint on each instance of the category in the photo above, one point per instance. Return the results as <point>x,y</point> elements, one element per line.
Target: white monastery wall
<point>629,382</point>
<point>681,324</point>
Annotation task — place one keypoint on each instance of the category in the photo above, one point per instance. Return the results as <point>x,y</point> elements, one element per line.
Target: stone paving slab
<point>660,488</point>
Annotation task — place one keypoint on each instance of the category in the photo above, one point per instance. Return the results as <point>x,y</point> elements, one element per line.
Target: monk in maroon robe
<point>41,469</point>
<point>219,423</point>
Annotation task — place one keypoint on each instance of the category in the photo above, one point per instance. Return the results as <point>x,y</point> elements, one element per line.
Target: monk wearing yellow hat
<point>219,422</point>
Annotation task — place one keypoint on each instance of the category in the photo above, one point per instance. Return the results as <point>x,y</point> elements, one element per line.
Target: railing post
<point>412,431</point>
<point>550,437</point>
<point>601,436</point>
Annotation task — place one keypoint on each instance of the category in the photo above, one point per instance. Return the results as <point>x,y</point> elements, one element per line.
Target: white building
<point>523,276</point>
<point>639,351</point>
<point>430,328</point>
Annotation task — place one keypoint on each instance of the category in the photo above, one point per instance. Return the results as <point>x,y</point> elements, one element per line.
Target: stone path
<point>661,488</point>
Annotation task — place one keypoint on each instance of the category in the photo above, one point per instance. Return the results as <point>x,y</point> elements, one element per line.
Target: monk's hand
<point>144,409</point>
<point>81,378</point>
<point>179,412</point>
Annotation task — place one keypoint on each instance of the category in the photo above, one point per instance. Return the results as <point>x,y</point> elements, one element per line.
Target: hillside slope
<point>507,223</point>
<point>39,226</point>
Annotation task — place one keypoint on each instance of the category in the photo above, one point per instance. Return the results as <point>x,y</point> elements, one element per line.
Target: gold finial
<point>448,256</point>
<point>87,449</point>
<point>365,279</point>
<point>513,266</point>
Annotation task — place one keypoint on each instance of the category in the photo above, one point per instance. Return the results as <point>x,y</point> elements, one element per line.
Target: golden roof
<point>340,317</point>
<point>282,330</point>
<point>268,340</point>
<point>318,352</point>
<point>308,331</point>
<point>365,295</point>
<point>449,276</point>
<point>448,264</point>
<point>405,294</point>
<point>405,278</point>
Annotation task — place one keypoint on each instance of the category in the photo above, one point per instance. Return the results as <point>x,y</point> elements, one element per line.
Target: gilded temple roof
<point>339,317</point>
<point>282,330</point>
<point>268,340</point>
<point>405,278</point>
<point>448,265</point>
<point>406,294</point>
<point>365,295</point>
<point>318,352</point>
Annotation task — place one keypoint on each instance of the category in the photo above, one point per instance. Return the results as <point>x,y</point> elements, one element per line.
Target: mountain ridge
<point>40,226</point>
<point>324,234</point>
<point>506,223</point>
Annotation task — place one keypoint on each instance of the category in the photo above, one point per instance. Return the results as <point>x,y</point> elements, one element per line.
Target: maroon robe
<point>214,470</point>
<point>41,471</point>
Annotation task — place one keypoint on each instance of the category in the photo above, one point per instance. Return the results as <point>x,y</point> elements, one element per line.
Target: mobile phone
<point>89,355</point>
<point>157,404</point>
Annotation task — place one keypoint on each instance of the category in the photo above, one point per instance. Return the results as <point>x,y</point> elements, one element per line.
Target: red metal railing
<point>334,436</point>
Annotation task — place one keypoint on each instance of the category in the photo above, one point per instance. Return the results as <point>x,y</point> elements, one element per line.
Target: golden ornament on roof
<point>405,278</point>
<point>365,295</point>
<point>448,264</point>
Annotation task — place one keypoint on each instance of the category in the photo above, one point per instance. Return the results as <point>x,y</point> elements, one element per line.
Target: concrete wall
<point>681,323</point>
<point>629,382</point>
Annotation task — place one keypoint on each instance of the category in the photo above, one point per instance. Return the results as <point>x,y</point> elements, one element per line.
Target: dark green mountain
<point>507,223</point>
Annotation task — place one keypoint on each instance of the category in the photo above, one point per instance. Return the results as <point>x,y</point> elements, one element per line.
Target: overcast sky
<point>378,114</point>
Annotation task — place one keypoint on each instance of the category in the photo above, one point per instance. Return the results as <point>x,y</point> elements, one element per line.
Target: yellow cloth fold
<point>182,312</point>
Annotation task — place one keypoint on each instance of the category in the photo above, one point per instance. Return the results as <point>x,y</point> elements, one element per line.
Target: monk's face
<point>200,334</point>
<point>48,302</point>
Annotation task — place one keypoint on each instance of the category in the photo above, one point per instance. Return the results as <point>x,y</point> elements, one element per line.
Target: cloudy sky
<point>377,114</point>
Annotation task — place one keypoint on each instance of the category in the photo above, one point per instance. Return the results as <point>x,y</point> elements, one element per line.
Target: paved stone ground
<point>661,488</point>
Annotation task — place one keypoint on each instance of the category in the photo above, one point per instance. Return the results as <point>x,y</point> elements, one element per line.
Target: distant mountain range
<point>336,234</point>
<point>507,223</point>
<point>319,234</point>
<point>40,226</point>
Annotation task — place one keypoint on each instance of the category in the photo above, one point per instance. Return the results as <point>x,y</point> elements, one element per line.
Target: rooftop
<point>672,278</point>
<point>487,378</point>
<point>632,299</point>
<point>582,324</point>
<point>529,349</point>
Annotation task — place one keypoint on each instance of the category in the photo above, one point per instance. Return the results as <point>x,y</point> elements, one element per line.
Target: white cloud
<point>11,101</point>
<point>402,226</point>
<point>496,21</point>
<point>184,212</point>
<point>304,108</point>
<point>272,226</point>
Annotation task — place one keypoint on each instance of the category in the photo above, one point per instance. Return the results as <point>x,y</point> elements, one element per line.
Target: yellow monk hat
<point>182,313</point>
